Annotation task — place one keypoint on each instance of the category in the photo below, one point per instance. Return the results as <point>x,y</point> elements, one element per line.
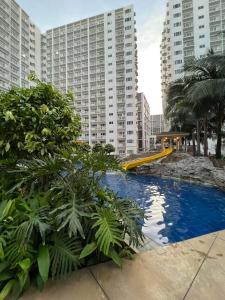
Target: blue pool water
<point>176,210</point>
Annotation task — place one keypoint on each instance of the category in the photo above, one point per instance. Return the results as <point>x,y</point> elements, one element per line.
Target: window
<point>129,71</point>
<point>202,46</point>
<point>109,14</point>
<point>128,53</point>
<point>130,132</point>
<point>201,26</point>
<point>177,43</point>
<point>129,88</point>
<point>111,141</point>
<point>178,61</point>
<point>110,97</point>
<point>177,15</point>
<point>110,47</point>
<point>177,33</point>
<point>111,131</point>
<point>111,122</point>
<point>109,31</point>
<point>129,79</point>
<point>110,55</point>
<point>110,89</point>
<point>129,114</point>
<point>127,11</point>
<point>127,19</point>
<point>110,80</point>
<point>111,114</point>
<point>178,52</point>
<point>127,27</point>
<point>129,141</point>
<point>177,24</point>
<point>201,17</point>
<point>111,105</point>
<point>201,36</point>
<point>110,39</point>
<point>109,64</point>
<point>176,5</point>
<point>201,7</point>
<point>179,71</point>
<point>129,122</point>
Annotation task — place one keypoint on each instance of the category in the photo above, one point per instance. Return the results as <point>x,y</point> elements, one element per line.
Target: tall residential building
<point>96,58</point>
<point>156,124</point>
<point>20,46</point>
<point>143,121</point>
<point>191,28</point>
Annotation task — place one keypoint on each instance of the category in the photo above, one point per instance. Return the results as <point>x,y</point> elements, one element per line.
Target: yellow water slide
<point>138,162</point>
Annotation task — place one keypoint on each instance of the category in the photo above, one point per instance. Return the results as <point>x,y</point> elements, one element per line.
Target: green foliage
<point>55,216</point>
<point>98,148</point>
<point>199,98</point>
<point>36,121</point>
<point>43,260</point>
<point>109,148</point>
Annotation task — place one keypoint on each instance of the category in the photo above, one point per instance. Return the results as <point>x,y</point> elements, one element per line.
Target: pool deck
<point>192,269</point>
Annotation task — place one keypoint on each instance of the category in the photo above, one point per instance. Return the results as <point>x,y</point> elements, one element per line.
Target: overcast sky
<point>150,14</point>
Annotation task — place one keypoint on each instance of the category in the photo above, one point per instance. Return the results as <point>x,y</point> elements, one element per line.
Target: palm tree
<point>207,93</point>
<point>179,111</point>
<point>211,93</point>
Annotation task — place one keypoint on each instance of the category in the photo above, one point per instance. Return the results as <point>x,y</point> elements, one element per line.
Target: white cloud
<point>149,37</point>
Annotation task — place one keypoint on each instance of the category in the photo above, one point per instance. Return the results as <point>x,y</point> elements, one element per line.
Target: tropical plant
<point>207,93</point>
<point>200,93</point>
<point>109,148</point>
<point>55,214</point>
<point>36,121</point>
<point>180,113</point>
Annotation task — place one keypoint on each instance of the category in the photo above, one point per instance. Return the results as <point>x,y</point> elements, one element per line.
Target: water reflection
<point>175,210</point>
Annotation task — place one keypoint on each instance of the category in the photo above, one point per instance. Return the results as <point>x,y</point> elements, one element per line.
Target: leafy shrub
<point>36,121</point>
<point>55,216</point>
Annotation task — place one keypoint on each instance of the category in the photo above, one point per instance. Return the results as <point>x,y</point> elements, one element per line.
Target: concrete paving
<point>193,269</point>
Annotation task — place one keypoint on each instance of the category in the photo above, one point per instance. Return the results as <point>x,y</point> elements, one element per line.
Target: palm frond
<point>64,255</point>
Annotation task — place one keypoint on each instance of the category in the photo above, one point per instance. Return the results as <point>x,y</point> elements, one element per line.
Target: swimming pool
<point>176,210</point>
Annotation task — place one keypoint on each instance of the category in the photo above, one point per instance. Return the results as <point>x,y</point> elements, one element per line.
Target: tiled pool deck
<point>193,269</point>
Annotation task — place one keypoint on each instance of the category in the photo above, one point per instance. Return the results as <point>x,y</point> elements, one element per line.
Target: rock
<point>199,169</point>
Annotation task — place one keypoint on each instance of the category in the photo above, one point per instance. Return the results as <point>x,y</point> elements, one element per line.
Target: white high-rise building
<point>191,28</point>
<point>143,121</point>
<point>20,46</point>
<point>96,58</point>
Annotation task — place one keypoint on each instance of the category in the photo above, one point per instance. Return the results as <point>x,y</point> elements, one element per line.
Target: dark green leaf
<point>43,262</point>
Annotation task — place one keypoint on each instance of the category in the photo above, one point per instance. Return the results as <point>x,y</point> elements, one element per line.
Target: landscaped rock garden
<point>187,167</point>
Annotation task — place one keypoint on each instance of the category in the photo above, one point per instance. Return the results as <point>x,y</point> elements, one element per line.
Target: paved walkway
<point>190,270</point>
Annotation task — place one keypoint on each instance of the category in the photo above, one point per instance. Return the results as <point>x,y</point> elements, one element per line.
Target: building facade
<point>191,28</point>
<point>96,58</point>
<point>20,46</point>
<point>156,124</point>
<point>143,122</point>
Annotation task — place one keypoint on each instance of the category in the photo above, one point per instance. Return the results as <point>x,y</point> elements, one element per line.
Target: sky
<point>48,14</point>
